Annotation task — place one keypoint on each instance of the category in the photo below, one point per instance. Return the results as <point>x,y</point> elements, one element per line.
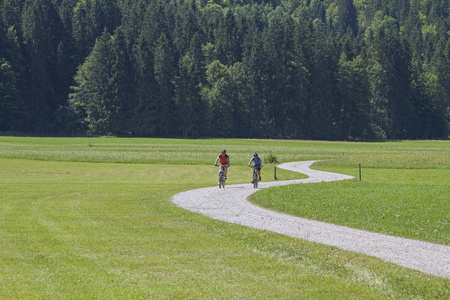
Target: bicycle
<point>222,177</point>
<point>255,176</point>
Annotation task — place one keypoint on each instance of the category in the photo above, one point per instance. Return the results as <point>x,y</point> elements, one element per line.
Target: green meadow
<point>91,218</point>
<point>404,191</point>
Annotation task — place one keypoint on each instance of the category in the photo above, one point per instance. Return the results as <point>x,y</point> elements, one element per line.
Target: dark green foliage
<point>90,18</point>
<point>93,92</point>
<point>322,69</point>
<point>12,106</point>
<point>353,114</point>
<point>164,69</point>
<point>192,113</point>
<point>43,48</point>
<point>271,159</point>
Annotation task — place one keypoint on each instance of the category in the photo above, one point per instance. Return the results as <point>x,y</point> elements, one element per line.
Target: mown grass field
<point>402,192</point>
<point>91,218</point>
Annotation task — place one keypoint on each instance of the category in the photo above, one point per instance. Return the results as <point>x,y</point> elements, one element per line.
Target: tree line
<point>300,69</point>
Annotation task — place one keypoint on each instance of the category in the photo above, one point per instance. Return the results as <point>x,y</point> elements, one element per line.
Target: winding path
<point>230,205</point>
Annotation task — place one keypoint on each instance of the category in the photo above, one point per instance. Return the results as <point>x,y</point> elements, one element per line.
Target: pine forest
<point>358,70</point>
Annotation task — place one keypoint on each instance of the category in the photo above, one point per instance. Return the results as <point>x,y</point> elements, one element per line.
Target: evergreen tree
<point>11,14</point>
<point>322,66</point>
<point>227,42</point>
<point>186,26</point>
<point>65,10</point>
<point>192,107</point>
<point>438,93</point>
<point>165,75</point>
<point>256,72</point>
<point>217,94</point>
<point>93,93</point>
<point>353,106</point>
<point>146,88</point>
<point>133,14</point>
<point>242,112</point>
<point>42,30</point>
<point>90,19</point>
<point>285,94</point>
<point>122,84</point>
<point>12,106</point>
<point>346,17</point>
<point>391,57</point>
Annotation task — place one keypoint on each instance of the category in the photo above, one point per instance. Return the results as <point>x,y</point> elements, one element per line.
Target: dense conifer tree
<point>42,47</point>
<point>164,75</point>
<point>93,93</point>
<point>12,107</point>
<point>346,17</point>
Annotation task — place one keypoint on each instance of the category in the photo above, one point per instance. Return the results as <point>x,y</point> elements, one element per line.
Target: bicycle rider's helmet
<point>224,151</point>
<point>255,154</point>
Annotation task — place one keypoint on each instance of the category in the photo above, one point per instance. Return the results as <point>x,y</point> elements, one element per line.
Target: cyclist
<point>257,162</point>
<point>224,161</point>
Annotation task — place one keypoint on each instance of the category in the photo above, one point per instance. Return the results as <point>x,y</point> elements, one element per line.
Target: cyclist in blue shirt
<point>257,162</point>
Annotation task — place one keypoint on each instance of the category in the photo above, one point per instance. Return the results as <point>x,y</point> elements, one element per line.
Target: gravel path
<point>230,205</point>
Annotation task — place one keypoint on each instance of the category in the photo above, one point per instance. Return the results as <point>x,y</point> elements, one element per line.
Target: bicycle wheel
<point>255,180</point>
<point>221,180</point>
